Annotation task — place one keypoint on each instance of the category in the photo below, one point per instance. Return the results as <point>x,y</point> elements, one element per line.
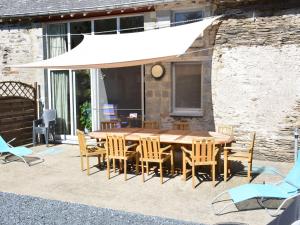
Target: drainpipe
<point>296,135</point>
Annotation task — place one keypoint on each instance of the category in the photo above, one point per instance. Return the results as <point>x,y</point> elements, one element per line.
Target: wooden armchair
<point>203,153</point>
<point>225,129</point>
<point>181,125</point>
<point>116,149</point>
<point>152,152</point>
<point>107,125</point>
<point>88,151</point>
<point>151,124</point>
<point>238,153</point>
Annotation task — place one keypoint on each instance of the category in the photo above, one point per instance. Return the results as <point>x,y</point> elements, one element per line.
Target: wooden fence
<point>18,108</point>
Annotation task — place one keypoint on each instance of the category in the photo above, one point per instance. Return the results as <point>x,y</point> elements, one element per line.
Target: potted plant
<point>85,116</point>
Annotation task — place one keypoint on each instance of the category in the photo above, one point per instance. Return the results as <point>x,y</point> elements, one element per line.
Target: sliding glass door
<point>120,95</point>
<point>82,101</point>
<point>84,98</point>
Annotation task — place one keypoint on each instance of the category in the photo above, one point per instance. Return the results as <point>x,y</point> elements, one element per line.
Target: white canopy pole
<point>129,49</point>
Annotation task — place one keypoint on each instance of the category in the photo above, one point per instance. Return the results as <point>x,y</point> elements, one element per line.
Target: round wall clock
<point>157,71</point>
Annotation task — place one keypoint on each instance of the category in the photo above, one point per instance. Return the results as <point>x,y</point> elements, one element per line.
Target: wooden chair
<point>225,129</point>
<point>203,153</point>
<point>150,124</point>
<point>107,125</point>
<point>152,152</point>
<point>181,125</point>
<point>238,153</point>
<point>116,149</point>
<point>88,151</point>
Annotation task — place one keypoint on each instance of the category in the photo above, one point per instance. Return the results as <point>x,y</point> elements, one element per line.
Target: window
<point>187,84</point>
<point>71,91</point>
<point>105,26</point>
<point>132,24</point>
<point>77,30</point>
<point>187,17</point>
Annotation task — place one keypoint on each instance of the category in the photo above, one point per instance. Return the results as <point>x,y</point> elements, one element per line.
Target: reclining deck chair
<point>20,152</point>
<point>286,189</point>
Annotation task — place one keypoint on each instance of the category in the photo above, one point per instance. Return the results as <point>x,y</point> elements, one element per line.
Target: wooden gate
<point>18,108</point>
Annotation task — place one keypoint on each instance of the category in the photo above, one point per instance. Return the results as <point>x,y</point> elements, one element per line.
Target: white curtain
<point>57,45</point>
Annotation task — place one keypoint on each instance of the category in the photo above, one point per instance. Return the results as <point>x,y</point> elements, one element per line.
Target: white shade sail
<point>129,49</point>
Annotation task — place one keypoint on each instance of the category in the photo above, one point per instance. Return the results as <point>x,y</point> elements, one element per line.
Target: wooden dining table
<point>166,136</point>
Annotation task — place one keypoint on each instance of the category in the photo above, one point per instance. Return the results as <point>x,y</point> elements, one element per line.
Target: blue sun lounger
<point>286,189</point>
<point>19,152</point>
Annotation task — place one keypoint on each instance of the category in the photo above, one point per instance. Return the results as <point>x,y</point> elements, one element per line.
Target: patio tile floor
<point>59,178</point>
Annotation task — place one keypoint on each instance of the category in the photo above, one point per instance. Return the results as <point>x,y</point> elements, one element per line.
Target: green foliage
<point>85,115</point>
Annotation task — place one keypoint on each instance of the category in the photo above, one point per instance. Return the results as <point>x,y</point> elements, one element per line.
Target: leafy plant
<point>85,115</point>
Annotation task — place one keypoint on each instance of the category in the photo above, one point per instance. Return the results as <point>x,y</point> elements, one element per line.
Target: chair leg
<point>225,166</point>
<point>108,168</point>
<point>193,176</point>
<point>121,166</point>
<point>161,172</point>
<point>99,161</point>
<point>125,169</point>
<point>87,165</point>
<point>147,168</point>
<point>46,135</point>
<point>172,162</point>
<point>33,138</point>
<point>143,176</point>
<point>114,165</point>
<point>81,163</point>
<point>249,171</point>
<point>136,164</point>
<point>183,167</point>
<point>213,174</point>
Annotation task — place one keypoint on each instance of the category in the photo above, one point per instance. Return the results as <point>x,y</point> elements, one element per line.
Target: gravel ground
<point>20,209</point>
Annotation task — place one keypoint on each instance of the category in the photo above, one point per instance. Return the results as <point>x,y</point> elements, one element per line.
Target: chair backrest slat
<point>150,147</point>
<point>49,115</point>
<point>203,150</point>
<point>225,129</point>
<point>150,124</point>
<point>81,141</point>
<point>107,125</point>
<point>115,145</point>
<point>181,125</point>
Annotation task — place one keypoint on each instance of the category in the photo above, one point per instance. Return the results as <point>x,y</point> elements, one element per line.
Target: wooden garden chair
<point>116,148</point>
<point>225,129</point>
<point>239,153</point>
<point>152,152</point>
<point>107,125</point>
<point>203,153</point>
<point>181,125</point>
<point>88,151</point>
<point>150,124</point>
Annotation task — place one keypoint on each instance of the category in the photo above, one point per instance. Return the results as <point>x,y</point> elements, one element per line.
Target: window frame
<point>93,72</point>
<point>175,111</point>
<point>202,10</point>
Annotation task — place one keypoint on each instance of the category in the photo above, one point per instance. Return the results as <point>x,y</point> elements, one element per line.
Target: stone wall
<point>21,43</point>
<point>256,79</point>
<point>158,93</point>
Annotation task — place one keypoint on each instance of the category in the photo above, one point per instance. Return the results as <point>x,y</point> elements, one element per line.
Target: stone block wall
<point>256,79</point>
<point>21,43</point>
<point>158,93</point>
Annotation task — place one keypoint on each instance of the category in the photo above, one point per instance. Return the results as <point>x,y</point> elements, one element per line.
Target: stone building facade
<point>250,70</point>
<point>256,77</point>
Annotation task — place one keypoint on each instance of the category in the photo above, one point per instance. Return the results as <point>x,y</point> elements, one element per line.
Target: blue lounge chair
<point>20,152</point>
<point>286,189</point>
